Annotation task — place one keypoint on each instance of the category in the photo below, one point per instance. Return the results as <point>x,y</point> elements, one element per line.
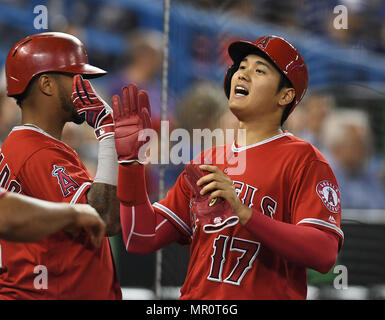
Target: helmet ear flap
<point>227,82</point>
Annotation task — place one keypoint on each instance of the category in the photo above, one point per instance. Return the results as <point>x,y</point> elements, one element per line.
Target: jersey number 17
<point>249,250</point>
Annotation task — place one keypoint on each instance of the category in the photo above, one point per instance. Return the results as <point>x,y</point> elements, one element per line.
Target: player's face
<point>254,89</point>
<point>66,104</point>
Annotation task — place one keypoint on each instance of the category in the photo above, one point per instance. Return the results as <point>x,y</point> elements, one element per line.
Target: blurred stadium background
<point>343,113</point>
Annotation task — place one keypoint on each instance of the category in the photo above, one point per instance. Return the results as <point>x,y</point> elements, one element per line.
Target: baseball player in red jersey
<point>252,234</point>
<point>43,73</point>
<point>27,219</point>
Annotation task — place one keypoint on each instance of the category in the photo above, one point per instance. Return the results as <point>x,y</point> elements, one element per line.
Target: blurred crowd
<point>343,134</point>
<point>366,26</point>
<point>345,138</point>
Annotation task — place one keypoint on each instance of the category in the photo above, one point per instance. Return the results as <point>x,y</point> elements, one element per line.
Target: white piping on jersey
<point>324,224</point>
<point>76,196</point>
<point>160,224</point>
<point>144,235</point>
<point>132,227</point>
<point>37,129</point>
<point>174,217</point>
<point>151,234</point>
<point>239,149</point>
<point>132,232</point>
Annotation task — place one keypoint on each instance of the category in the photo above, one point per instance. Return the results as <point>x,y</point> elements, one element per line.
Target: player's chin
<point>236,109</point>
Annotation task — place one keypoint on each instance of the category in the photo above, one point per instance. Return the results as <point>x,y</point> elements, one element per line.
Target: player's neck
<point>51,127</point>
<point>44,112</point>
<point>256,133</point>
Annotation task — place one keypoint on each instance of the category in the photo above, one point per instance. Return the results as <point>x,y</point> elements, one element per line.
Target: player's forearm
<point>144,231</point>
<point>135,209</point>
<point>132,189</point>
<point>26,219</point>
<point>306,246</point>
<point>102,194</point>
<point>103,198</point>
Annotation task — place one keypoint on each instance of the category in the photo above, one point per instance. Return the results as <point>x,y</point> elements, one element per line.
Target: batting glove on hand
<point>92,108</point>
<point>132,114</point>
<point>213,214</point>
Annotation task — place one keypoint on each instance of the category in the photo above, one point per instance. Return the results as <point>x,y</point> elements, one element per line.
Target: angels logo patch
<point>330,196</point>
<point>64,180</point>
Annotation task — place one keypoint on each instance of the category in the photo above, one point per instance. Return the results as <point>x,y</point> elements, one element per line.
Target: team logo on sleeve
<point>64,180</point>
<point>330,196</point>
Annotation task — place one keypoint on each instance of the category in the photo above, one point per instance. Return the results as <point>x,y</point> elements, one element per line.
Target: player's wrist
<point>104,131</point>
<point>71,216</point>
<point>131,187</point>
<point>244,213</point>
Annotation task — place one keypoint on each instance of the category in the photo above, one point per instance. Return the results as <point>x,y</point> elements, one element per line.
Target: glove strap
<point>104,131</point>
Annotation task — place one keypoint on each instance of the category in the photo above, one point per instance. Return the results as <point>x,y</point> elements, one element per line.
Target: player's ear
<point>46,84</point>
<point>286,96</point>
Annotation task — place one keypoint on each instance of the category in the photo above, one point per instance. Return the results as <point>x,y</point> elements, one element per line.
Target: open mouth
<point>241,91</point>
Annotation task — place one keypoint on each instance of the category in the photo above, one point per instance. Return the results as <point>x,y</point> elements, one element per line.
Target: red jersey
<point>285,178</point>
<point>35,164</point>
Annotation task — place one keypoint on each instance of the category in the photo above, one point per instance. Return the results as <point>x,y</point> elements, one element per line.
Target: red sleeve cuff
<point>132,184</point>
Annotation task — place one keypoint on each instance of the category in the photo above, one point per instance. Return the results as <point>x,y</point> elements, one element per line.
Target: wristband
<point>107,170</point>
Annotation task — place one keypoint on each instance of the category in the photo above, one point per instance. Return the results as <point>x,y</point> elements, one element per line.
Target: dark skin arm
<point>103,198</point>
<point>28,219</point>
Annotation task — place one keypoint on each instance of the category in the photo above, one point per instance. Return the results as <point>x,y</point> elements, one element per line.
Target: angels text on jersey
<point>5,177</point>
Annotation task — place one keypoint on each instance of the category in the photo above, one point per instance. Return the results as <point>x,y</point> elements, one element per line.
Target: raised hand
<point>92,108</point>
<point>132,115</point>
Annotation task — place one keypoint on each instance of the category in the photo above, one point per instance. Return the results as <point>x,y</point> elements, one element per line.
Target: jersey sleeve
<point>175,207</point>
<point>316,200</point>
<point>57,175</point>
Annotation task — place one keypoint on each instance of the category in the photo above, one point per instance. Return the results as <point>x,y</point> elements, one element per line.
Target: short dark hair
<point>284,82</point>
<point>22,96</point>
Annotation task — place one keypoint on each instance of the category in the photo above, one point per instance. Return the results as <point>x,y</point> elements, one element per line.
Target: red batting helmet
<point>44,52</point>
<point>283,55</point>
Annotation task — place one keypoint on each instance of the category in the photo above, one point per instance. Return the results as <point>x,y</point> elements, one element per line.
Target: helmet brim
<point>240,49</point>
<point>86,70</point>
